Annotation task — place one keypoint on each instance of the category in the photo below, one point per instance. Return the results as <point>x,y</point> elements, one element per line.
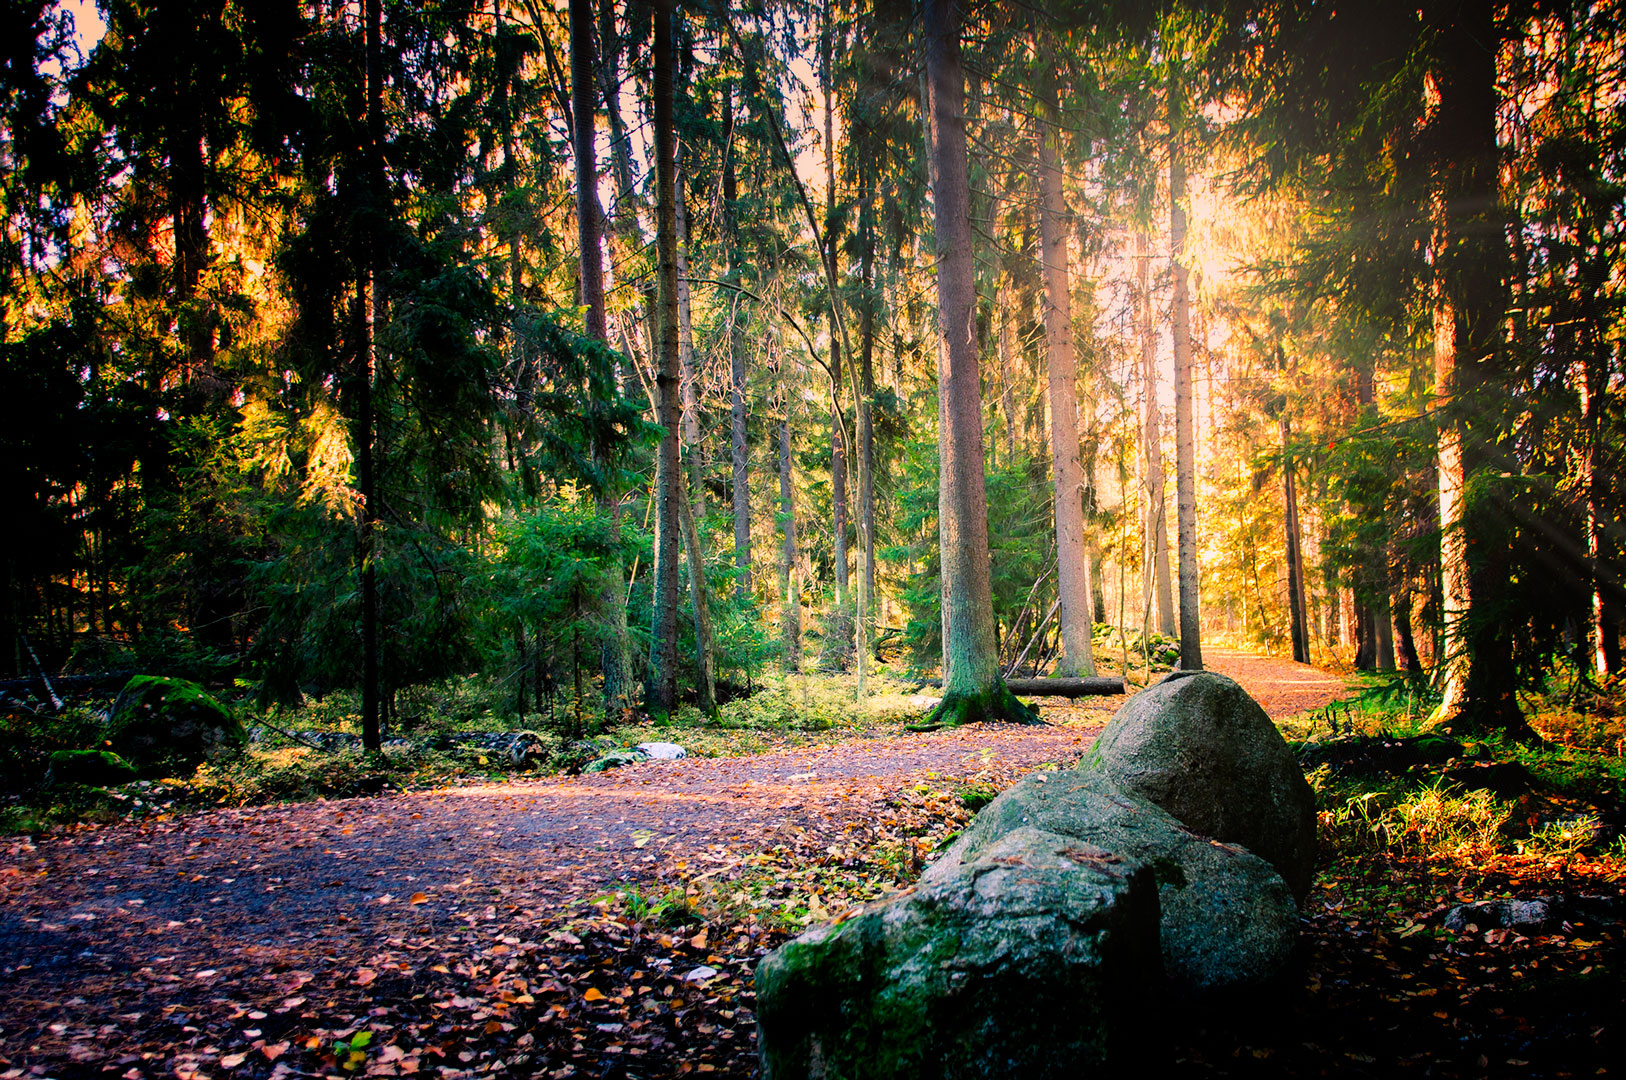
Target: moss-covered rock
<point>615,759</point>
<point>94,768</point>
<point>1033,944</point>
<point>1226,918</point>
<point>1035,959</point>
<point>168,727</point>
<point>1199,747</point>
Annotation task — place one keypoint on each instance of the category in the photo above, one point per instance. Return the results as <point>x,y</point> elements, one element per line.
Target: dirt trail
<point>107,923</point>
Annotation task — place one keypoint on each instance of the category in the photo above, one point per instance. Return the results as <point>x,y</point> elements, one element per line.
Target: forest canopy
<point>624,353</point>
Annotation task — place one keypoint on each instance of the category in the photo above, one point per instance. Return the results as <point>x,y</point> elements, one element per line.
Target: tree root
<point>996,704</point>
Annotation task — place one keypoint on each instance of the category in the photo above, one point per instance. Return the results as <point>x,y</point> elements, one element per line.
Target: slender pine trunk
<point>1156,518</point>
<point>1185,456</point>
<point>1295,563</point>
<point>790,586</point>
<point>660,691</point>
<point>738,327</point>
<point>1072,569</point>
<point>838,448</point>
<point>693,502</point>
<point>367,301</point>
<point>972,687</point>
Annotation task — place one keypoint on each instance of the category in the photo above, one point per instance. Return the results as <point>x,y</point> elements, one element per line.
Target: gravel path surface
<point>101,927</point>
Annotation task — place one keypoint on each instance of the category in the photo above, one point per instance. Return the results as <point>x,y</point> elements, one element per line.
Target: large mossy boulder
<point>1226,918</point>
<point>168,727</point>
<point>1199,747</point>
<point>1166,861</point>
<point>1035,959</point>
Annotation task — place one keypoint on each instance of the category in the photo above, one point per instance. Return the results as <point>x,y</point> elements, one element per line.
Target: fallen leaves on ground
<point>598,926</point>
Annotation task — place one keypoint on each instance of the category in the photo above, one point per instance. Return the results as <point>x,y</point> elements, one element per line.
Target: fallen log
<point>67,682</point>
<point>1080,687</point>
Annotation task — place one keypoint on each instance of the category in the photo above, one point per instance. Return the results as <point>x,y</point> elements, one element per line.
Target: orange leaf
<point>365,975</point>
<point>593,994</point>
<point>419,898</point>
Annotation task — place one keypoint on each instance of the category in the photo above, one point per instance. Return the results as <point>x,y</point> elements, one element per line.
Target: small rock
<point>1522,914</point>
<point>614,760</point>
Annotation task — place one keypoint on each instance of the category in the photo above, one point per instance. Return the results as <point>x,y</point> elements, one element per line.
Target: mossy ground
<point>437,739</point>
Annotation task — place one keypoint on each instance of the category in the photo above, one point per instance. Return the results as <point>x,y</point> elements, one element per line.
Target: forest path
<point>247,906</point>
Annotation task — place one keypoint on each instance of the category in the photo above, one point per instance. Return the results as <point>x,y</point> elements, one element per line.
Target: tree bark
<point>1408,656</point>
<point>1185,457</point>
<point>972,686</point>
<point>1072,574</point>
<point>705,642</point>
<point>1594,376</point>
<point>838,449</point>
<point>1157,526</point>
<point>694,495</point>
<point>660,691</point>
<point>615,658</point>
<point>367,301</point>
<point>790,585</point>
<point>1384,633</point>
<point>1295,562</point>
<point>866,419</point>
<point>1471,263</point>
<point>737,324</point>
<point>688,375</point>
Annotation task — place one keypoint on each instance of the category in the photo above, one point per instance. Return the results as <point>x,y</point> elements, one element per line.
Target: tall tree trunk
<point>688,374</point>
<point>631,237</point>
<point>1072,569</point>
<point>187,195</point>
<point>700,602</point>
<point>616,655</point>
<point>1185,456</point>
<point>1595,369</point>
<point>838,448</point>
<point>1295,561</point>
<point>1383,633</point>
<point>1007,370</point>
<point>866,419</point>
<point>660,691</point>
<point>1470,259</point>
<point>1408,644</point>
<point>191,236</point>
<point>790,585</point>
<point>367,302</point>
<point>1157,526</point>
<point>738,320</point>
<point>972,688</point>
<point>695,492</point>
<point>1366,644</point>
